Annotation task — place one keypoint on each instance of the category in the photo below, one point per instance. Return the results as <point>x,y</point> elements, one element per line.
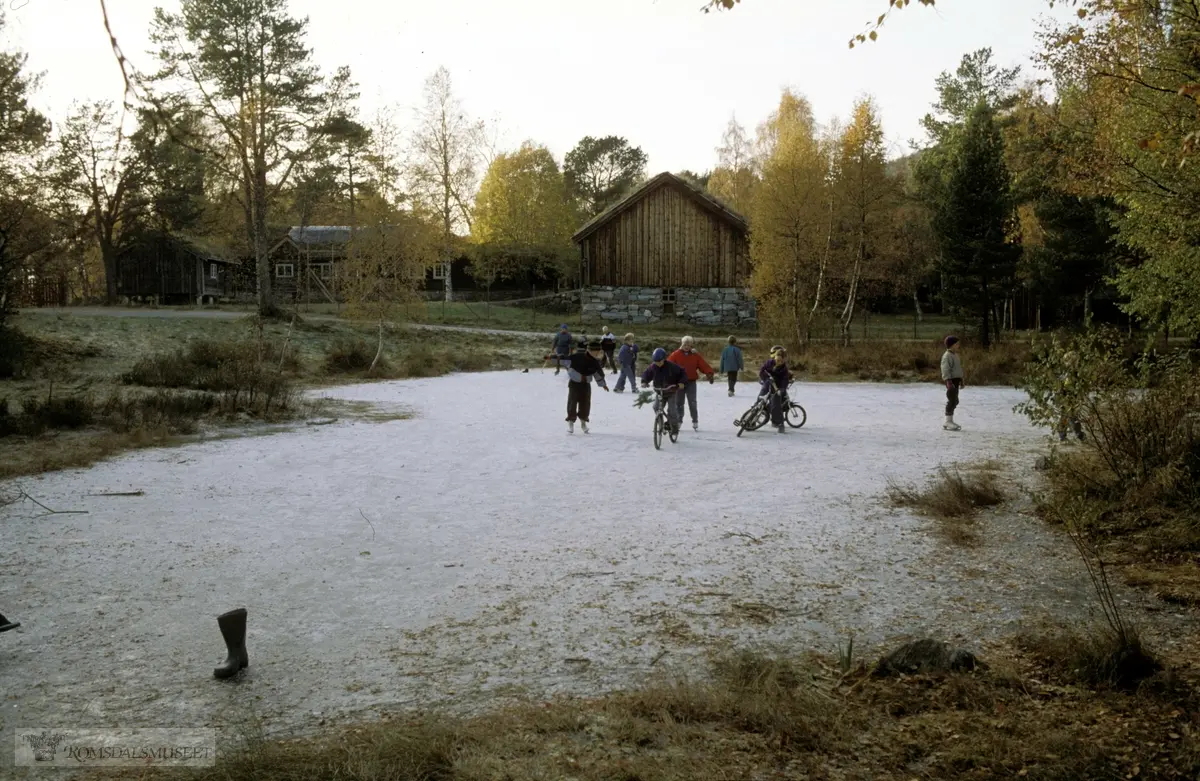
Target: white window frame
<point>324,270</point>
<point>290,269</point>
<point>441,270</point>
<point>212,271</point>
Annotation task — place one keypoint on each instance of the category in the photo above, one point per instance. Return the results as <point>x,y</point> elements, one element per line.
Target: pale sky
<point>658,72</point>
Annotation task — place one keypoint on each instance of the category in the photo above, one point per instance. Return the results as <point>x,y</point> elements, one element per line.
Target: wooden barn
<point>668,249</point>
<point>174,269</point>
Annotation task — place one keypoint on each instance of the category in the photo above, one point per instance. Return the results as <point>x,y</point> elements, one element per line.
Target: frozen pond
<point>506,556</point>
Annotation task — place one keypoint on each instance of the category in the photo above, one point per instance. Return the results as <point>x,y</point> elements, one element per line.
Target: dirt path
<point>478,551</point>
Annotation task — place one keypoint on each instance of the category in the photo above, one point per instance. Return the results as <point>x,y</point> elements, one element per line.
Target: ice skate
<point>583,425</point>
<point>731,394</point>
<point>950,425</point>
<point>570,427</point>
<point>695,425</point>
<point>779,428</point>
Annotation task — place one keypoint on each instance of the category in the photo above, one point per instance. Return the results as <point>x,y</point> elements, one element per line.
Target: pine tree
<point>972,216</point>
<point>246,66</point>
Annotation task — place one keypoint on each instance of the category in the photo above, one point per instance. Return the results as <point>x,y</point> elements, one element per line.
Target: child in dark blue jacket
<point>665,374</point>
<point>627,360</point>
<point>582,367</point>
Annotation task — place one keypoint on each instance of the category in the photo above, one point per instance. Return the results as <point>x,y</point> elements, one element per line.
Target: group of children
<point>680,370</point>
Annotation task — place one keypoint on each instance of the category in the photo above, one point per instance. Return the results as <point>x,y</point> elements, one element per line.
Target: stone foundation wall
<point>701,305</point>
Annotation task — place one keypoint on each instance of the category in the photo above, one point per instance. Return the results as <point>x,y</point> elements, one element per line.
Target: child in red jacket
<point>694,365</point>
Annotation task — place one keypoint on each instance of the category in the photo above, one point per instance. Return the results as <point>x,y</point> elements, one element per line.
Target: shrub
<point>58,412</point>
<point>8,421</point>
<point>348,355</point>
<point>421,361</point>
<point>248,375</point>
<point>175,412</point>
<point>1138,419</point>
<point>951,494</point>
<point>14,353</point>
<point>951,499</point>
<point>1093,656</point>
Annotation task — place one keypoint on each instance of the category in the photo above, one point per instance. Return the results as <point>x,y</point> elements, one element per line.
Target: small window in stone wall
<point>668,300</point>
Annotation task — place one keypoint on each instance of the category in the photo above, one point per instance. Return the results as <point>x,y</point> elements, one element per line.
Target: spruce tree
<point>972,215</point>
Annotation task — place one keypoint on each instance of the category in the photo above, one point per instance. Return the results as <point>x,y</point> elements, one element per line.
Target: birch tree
<point>865,194</point>
<point>391,253</point>
<point>734,177</point>
<point>444,163</point>
<point>790,218</point>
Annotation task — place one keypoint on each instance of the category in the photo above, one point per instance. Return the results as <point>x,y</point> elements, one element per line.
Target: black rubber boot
<point>6,625</point>
<point>233,629</point>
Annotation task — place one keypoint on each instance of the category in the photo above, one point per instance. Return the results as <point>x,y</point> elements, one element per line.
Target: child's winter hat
<point>594,345</point>
<point>562,327</point>
<point>951,341</point>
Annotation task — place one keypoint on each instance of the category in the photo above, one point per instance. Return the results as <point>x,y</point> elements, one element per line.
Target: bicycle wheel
<point>758,416</point>
<point>658,432</point>
<point>796,416</point>
<point>749,421</point>
<point>764,417</point>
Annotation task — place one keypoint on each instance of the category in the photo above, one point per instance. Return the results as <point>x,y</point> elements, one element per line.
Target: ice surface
<point>506,557</point>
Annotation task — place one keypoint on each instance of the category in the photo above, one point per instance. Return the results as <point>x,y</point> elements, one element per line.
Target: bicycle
<point>662,419</point>
<point>794,415</point>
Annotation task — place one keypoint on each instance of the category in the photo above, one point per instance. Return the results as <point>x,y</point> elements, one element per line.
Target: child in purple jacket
<point>776,371</point>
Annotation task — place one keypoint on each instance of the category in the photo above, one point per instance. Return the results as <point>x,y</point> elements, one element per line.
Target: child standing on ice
<point>583,367</point>
<point>952,375</point>
<point>627,359</point>
<point>608,343</point>
<point>561,347</point>
<point>731,362</point>
<point>694,364</point>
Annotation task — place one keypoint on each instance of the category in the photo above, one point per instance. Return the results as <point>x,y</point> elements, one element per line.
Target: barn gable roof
<point>709,202</point>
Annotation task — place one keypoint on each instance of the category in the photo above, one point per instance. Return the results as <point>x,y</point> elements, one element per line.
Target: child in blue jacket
<point>627,360</point>
<point>664,375</point>
<point>731,362</point>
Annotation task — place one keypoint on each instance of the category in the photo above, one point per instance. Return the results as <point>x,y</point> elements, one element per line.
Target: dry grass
<point>759,717</point>
<point>72,450</point>
<point>876,361</point>
<point>1174,581</point>
<point>1096,657</point>
<point>952,498</point>
<point>1150,534</point>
